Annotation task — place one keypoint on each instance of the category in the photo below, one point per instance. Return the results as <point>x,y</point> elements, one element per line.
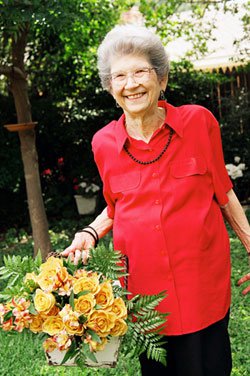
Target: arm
<point>235,216</point>
<point>83,241</point>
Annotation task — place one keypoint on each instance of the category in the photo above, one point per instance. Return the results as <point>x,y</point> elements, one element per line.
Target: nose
<point>130,82</point>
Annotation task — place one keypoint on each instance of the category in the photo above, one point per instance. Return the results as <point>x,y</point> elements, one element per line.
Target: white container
<point>85,205</point>
<point>106,358</point>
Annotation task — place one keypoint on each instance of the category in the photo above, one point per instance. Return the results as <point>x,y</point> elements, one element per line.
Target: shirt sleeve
<point>222,182</point>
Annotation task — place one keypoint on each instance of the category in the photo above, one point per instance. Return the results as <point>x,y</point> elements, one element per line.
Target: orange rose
<point>101,322</point>
<point>105,296</point>
<point>49,345</point>
<point>85,304</point>
<point>36,323</point>
<point>118,308</point>
<point>53,325</point>
<point>120,328</point>
<point>88,283</point>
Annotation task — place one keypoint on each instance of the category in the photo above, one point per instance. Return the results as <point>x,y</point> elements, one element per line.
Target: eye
<point>140,72</point>
<point>119,76</point>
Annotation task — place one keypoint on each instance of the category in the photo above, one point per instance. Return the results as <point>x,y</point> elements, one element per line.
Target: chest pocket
<point>188,167</point>
<point>125,182</point>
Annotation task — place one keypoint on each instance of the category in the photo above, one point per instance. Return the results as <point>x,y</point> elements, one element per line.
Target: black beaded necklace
<point>153,160</point>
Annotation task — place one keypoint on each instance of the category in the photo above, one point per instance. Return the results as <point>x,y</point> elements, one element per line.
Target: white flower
<point>235,171</point>
<point>237,159</point>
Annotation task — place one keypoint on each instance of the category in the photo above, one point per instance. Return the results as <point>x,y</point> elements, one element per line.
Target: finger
<point>67,251</point>
<point>244,279</point>
<point>85,256</point>
<point>246,291</point>
<point>78,256</point>
<point>71,256</point>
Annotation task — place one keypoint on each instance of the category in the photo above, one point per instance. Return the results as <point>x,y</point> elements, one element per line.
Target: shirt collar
<point>173,119</point>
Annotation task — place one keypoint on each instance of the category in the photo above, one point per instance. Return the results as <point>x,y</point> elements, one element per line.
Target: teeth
<point>135,96</point>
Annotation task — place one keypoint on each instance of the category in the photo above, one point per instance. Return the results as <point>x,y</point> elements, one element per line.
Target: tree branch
<point>11,71</point>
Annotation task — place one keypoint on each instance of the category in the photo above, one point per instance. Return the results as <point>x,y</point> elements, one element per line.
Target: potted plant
<point>85,196</point>
<point>83,311</point>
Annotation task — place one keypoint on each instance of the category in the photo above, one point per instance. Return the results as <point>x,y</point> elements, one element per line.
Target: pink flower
<point>60,161</point>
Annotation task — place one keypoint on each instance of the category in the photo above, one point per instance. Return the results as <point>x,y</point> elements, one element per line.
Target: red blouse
<point>167,216</point>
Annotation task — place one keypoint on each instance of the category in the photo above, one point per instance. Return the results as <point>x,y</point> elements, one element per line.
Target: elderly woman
<point>167,190</point>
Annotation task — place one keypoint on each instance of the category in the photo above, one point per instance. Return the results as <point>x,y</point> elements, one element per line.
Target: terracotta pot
<point>106,358</point>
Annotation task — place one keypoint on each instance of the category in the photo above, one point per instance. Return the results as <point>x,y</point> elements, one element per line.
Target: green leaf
<point>89,354</point>
<point>94,336</point>
<point>7,316</point>
<point>85,292</point>
<point>71,300</point>
<point>32,309</point>
<point>72,351</point>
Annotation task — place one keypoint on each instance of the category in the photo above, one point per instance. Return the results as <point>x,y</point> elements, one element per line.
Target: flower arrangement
<point>80,309</point>
<point>86,189</point>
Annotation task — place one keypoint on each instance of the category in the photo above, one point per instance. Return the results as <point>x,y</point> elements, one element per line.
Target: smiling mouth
<point>135,96</point>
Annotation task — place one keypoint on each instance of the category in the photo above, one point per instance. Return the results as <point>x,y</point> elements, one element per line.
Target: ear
<point>164,83</point>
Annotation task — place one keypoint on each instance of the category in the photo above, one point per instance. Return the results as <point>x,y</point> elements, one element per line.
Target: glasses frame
<point>138,80</point>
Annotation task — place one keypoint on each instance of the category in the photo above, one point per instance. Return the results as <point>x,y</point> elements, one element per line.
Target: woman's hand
<point>79,248</point>
<point>243,280</point>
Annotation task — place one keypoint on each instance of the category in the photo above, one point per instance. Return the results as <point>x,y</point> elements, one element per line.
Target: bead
<point>153,160</point>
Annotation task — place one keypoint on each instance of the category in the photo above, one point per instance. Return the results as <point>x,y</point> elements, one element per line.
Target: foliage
<point>78,307</point>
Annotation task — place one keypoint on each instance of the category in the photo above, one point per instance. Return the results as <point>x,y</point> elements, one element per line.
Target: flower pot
<point>106,358</point>
<point>85,205</point>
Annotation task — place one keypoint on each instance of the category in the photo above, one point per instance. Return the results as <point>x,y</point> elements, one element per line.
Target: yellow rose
<point>74,328</point>
<point>36,323</point>
<point>85,304</point>
<point>53,325</point>
<point>118,308</point>
<point>47,280</point>
<point>43,301</point>
<point>101,322</point>
<point>89,283</point>
<point>52,263</point>
<point>119,329</point>
<point>53,312</point>
<point>105,297</point>
<point>79,273</point>
<point>49,345</point>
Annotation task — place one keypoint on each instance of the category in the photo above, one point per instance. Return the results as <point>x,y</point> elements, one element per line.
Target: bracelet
<point>92,228</point>
<point>95,236</point>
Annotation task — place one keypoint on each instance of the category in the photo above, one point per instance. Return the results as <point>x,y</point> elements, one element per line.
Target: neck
<point>142,127</point>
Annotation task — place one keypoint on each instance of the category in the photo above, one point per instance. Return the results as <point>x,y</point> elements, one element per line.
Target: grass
<point>22,354</point>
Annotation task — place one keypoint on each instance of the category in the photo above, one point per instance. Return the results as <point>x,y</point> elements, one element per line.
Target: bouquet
<point>79,309</point>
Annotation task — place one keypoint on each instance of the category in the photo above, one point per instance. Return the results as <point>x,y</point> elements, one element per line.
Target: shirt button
<point>155,175</point>
<point>157,227</point>
<point>157,202</point>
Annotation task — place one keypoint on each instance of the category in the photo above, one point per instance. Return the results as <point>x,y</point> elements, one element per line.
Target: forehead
<point>128,62</point>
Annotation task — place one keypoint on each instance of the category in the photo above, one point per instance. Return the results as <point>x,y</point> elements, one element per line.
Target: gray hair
<point>130,39</point>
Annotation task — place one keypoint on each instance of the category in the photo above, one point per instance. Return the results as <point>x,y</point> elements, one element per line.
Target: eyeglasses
<point>140,75</point>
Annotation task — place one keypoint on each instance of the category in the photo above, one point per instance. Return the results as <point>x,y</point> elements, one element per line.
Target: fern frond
<point>147,303</point>
<point>105,261</point>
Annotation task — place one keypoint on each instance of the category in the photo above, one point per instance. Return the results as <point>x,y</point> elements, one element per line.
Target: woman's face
<point>137,93</point>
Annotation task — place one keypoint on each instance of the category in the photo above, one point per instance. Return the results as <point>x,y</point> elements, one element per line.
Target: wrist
<point>92,232</point>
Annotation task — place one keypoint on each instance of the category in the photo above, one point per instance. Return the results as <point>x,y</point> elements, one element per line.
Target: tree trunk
<point>19,88</point>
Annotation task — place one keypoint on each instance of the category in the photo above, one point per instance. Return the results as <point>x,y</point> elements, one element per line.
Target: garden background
<point>54,46</point>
